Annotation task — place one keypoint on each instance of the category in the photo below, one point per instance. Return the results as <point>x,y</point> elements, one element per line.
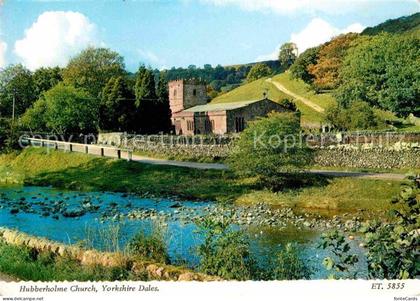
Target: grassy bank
<point>36,166</point>
<point>28,265</point>
<point>84,172</point>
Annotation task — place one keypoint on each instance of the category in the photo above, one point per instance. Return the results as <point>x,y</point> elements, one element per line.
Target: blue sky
<point>166,33</point>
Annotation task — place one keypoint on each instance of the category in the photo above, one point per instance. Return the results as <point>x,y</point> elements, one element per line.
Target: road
<point>306,101</point>
<point>219,166</point>
<point>113,152</point>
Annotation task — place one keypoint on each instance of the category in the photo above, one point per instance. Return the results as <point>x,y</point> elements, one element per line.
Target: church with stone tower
<point>192,114</point>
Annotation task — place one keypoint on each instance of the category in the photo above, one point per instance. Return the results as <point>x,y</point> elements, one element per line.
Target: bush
<point>393,247</point>
<point>359,115</point>
<point>258,71</point>
<point>151,247</point>
<point>289,265</point>
<point>270,149</point>
<point>225,252</point>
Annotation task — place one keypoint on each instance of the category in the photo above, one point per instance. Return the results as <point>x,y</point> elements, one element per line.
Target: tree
<point>163,109</point>
<point>359,115</point>
<point>117,106</point>
<point>287,55</point>
<point>34,118</point>
<point>16,84</point>
<point>299,69</point>
<point>270,150</point>
<point>258,71</point>
<point>383,71</point>
<point>330,56</point>
<point>145,99</point>
<point>46,78</point>
<point>92,69</point>
<point>70,110</point>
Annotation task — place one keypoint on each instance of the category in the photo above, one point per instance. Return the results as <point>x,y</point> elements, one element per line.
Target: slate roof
<point>227,106</point>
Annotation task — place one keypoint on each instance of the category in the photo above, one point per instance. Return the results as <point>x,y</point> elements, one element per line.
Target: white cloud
<point>3,48</point>
<point>305,6</point>
<point>317,32</point>
<point>55,37</point>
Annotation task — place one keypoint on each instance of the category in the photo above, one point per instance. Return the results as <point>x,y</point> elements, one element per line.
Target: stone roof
<point>227,106</point>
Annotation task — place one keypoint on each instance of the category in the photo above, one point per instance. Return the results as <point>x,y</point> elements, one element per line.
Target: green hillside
<point>251,91</point>
<point>255,90</point>
<point>399,25</point>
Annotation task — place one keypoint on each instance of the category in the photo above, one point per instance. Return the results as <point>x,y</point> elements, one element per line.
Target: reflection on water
<point>41,211</point>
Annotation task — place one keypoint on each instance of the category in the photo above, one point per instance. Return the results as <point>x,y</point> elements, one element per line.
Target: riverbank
<point>42,167</point>
<point>35,259</point>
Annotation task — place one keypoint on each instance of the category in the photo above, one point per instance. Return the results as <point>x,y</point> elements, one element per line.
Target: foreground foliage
<point>391,246</point>
<point>270,149</point>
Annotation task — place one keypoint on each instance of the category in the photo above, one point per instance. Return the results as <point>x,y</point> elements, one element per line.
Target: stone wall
<point>389,150</point>
<point>369,157</point>
<point>155,271</point>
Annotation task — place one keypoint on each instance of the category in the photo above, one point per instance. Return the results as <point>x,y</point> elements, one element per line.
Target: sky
<point>167,33</point>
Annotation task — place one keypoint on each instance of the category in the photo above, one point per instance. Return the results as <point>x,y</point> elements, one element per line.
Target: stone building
<point>192,115</point>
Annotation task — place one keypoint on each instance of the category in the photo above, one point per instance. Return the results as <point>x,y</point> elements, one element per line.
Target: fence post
<point>102,152</point>
<point>56,145</point>
<point>42,143</point>
<point>129,155</point>
<point>119,153</point>
<point>70,147</point>
<point>86,149</point>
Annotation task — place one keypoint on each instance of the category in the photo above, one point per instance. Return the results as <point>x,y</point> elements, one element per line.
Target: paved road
<point>219,166</point>
<point>195,165</point>
<point>113,152</point>
<point>306,101</point>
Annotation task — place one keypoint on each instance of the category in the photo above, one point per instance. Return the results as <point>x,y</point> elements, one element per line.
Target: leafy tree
<point>258,71</point>
<point>34,118</point>
<point>92,69</point>
<point>70,110</point>
<point>287,55</point>
<point>117,106</point>
<point>299,69</point>
<point>326,70</point>
<point>358,116</point>
<point>270,149</point>
<point>16,83</point>
<point>146,100</point>
<point>383,71</point>
<point>163,110</point>
<point>46,78</point>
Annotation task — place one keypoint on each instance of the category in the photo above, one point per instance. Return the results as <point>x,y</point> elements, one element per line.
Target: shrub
<point>359,115</point>
<point>149,246</point>
<point>393,247</point>
<point>289,265</point>
<point>258,71</point>
<point>224,252</point>
<point>271,149</point>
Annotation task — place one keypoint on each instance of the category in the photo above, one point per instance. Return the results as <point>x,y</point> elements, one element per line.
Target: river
<point>73,217</point>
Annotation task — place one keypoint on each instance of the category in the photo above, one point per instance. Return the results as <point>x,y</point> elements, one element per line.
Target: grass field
<point>299,87</point>
<point>85,172</point>
<point>251,91</point>
<point>255,90</point>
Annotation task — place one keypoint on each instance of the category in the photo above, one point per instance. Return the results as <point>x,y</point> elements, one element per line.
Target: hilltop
<point>406,24</point>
